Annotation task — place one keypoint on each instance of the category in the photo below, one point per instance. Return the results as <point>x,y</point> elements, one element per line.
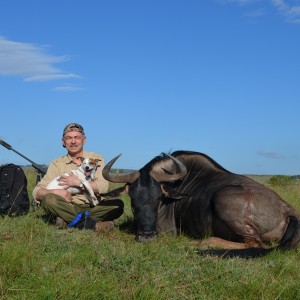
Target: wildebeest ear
<point>116,192</point>
<point>171,193</point>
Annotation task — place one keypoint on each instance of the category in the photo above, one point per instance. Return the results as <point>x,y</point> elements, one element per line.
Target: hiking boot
<point>104,227</point>
<point>60,223</point>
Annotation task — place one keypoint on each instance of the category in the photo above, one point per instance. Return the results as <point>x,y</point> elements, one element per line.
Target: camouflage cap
<point>73,127</point>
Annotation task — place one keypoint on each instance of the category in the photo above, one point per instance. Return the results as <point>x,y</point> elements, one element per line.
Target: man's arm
<point>41,192</point>
<point>40,189</point>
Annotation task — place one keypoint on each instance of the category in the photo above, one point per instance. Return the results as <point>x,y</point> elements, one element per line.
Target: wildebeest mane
<point>199,186</point>
<point>157,159</point>
<point>206,161</point>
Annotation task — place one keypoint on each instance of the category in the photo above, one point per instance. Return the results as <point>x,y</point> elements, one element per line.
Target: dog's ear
<point>95,161</point>
<point>81,158</point>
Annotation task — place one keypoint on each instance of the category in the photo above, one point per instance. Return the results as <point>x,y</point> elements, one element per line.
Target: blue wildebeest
<point>190,192</point>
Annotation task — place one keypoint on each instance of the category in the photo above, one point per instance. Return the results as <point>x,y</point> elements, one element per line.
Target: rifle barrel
<point>4,144</point>
<point>36,166</point>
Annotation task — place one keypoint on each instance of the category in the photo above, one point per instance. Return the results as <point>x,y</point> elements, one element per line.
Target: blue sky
<point>143,77</point>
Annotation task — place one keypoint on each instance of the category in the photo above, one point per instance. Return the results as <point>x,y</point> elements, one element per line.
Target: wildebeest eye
<point>171,192</point>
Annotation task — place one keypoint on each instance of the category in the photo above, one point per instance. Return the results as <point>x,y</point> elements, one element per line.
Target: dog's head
<point>89,166</point>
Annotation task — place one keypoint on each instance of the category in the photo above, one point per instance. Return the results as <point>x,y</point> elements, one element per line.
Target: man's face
<point>74,141</point>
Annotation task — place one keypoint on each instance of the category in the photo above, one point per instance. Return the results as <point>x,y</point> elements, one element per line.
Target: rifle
<point>41,171</point>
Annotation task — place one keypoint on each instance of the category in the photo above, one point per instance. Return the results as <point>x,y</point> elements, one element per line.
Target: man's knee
<point>116,207</point>
<point>113,203</point>
<point>49,200</point>
<point>119,204</point>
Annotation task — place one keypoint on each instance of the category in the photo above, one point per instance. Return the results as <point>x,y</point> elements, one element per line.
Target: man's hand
<point>63,193</point>
<point>69,181</point>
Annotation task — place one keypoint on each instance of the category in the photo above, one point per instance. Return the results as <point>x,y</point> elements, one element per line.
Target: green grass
<point>38,261</point>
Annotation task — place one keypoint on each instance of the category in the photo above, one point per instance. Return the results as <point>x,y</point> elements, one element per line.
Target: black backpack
<point>14,200</point>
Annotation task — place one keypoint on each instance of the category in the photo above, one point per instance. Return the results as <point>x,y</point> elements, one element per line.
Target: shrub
<point>280,180</point>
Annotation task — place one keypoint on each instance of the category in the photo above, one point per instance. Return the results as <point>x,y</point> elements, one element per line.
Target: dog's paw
<point>93,201</point>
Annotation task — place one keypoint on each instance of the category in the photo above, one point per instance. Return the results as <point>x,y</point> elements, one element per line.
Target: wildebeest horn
<point>126,178</point>
<point>166,175</point>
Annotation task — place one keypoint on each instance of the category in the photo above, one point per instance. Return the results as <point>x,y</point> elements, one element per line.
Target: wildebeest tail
<point>287,241</point>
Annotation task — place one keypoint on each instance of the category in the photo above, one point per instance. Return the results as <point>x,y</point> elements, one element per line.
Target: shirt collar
<point>68,159</point>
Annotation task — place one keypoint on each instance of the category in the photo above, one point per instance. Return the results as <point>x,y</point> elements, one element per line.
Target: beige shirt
<point>65,164</point>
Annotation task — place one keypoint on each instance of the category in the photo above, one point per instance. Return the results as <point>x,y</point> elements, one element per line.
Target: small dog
<point>85,172</point>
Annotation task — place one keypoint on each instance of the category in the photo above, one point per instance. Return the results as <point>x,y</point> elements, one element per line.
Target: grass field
<point>38,261</point>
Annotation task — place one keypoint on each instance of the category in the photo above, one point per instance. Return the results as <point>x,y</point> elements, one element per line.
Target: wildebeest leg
<point>215,242</point>
<point>235,214</point>
<point>222,230</point>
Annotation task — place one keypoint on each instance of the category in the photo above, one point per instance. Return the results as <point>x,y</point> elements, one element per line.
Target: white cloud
<point>291,12</point>
<point>30,62</point>
<point>270,154</point>
<point>68,88</point>
<point>290,9</point>
<point>255,13</point>
<point>239,2</point>
<point>51,77</point>
<point>280,4</point>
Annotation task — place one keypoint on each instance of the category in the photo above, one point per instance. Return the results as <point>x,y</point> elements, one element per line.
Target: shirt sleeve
<point>102,184</point>
<point>52,172</point>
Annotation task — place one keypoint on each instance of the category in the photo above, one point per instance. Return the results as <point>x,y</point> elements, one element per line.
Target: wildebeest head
<point>145,188</point>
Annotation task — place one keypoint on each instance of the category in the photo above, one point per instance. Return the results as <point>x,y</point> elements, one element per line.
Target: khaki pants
<point>106,210</point>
